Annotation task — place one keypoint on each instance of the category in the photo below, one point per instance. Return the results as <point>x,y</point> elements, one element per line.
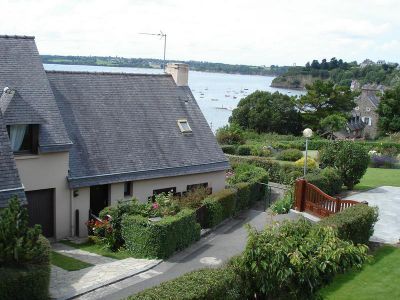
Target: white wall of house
<point>49,171</point>
<point>142,189</point>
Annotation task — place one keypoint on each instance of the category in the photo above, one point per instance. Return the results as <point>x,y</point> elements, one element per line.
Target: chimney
<point>180,73</point>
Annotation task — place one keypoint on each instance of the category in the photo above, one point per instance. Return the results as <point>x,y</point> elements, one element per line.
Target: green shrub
<point>243,196</point>
<point>350,158</point>
<point>355,223</point>
<point>227,198</point>
<point>193,199</point>
<point>259,150</point>
<point>19,243</point>
<point>160,239</point>
<point>220,206</point>
<point>27,282</point>
<point>311,163</point>
<point>292,260</point>
<point>283,206</point>
<point>290,155</point>
<point>230,135</point>
<point>228,149</point>
<point>24,256</point>
<point>248,173</point>
<point>207,284</point>
<point>284,173</point>
<point>244,150</point>
<point>328,180</point>
<point>214,210</point>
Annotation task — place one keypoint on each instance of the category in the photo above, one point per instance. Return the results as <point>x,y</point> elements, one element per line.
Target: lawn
<point>98,249</point>
<point>378,177</point>
<point>67,263</point>
<point>377,280</point>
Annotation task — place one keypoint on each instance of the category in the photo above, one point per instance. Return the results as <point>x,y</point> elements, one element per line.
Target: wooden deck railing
<point>311,199</point>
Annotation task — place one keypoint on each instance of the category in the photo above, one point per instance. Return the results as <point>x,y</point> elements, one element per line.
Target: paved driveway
<point>387,198</point>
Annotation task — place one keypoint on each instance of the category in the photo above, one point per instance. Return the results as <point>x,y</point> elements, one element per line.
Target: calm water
<point>217,94</point>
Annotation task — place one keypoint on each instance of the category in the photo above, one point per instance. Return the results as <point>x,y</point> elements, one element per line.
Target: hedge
<point>159,239</point>
<point>284,173</point>
<point>318,144</point>
<point>290,155</point>
<point>244,150</point>
<point>355,223</point>
<point>228,149</point>
<point>206,284</point>
<point>328,180</point>
<point>29,281</point>
<point>220,206</point>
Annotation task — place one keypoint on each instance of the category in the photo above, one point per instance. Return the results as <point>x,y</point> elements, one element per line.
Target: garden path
<point>66,284</point>
<point>387,199</point>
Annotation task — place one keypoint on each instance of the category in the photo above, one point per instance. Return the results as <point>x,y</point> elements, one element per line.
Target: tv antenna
<point>162,35</point>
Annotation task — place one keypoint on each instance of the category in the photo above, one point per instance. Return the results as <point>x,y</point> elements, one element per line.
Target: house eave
<point>85,181</point>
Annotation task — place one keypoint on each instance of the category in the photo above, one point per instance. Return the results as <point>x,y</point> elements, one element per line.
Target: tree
<point>333,123</point>
<point>266,112</point>
<point>315,64</point>
<point>230,135</point>
<point>350,158</point>
<point>324,98</point>
<point>389,111</point>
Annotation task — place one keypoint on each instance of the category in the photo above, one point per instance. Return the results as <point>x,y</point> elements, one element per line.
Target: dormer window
<point>184,126</point>
<point>24,138</point>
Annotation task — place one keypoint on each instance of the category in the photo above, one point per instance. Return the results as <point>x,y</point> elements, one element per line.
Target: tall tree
<point>333,123</point>
<point>267,112</point>
<point>389,111</point>
<point>324,98</point>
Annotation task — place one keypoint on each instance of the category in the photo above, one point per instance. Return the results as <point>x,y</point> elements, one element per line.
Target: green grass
<point>98,249</point>
<point>378,177</point>
<point>67,263</point>
<point>377,280</point>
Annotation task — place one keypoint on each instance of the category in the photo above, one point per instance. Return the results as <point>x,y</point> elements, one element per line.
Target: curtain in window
<point>17,134</point>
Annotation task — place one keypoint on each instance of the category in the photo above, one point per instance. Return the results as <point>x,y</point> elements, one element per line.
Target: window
<point>192,187</point>
<point>367,109</point>
<point>166,190</point>
<point>24,139</point>
<point>367,120</point>
<point>184,126</point>
<point>357,108</point>
<point>128,188</point>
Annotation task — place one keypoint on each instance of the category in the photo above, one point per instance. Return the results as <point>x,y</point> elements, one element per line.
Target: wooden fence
<point>311,199</point>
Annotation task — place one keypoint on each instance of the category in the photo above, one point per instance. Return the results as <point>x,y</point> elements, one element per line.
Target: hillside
<point>339,72</point>
<point>158,63</point>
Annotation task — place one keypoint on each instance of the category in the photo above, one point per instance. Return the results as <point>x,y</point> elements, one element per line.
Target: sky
<point>255,32</point>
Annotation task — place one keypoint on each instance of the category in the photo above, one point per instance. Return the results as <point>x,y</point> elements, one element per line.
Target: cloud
<point>249,32</point>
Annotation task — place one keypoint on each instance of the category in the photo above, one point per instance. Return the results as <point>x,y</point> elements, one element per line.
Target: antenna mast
<point>162,35</point>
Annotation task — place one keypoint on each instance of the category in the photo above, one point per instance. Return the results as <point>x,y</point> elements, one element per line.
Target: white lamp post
<point>307,133</point>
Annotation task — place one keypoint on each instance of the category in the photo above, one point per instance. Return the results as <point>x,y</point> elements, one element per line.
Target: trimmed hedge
<point>207,284</point>
<point>244,150</point>
<point>30,281</point>
<point>228,149</point>
<point>284,173</point>
<point>220,206</point>
<point>159,239</point>
<point>243,196</point>
<point>290,155</point>
<point>328,180</point>
<point>355,223</point>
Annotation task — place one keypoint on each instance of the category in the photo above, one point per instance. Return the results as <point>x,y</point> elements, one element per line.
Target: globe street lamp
<point>307,133</point>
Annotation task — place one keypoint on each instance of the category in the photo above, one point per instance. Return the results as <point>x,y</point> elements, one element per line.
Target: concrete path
<point>211,251</point>
<point>387,198</point>
<point>67,284</point>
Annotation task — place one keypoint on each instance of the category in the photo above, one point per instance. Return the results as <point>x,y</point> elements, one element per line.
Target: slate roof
<point>10,183</point>
<point>21,69</point>
<point>124,127</point>
<point>17,111</point>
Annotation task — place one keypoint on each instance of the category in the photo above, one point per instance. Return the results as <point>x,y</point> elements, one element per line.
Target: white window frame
<point>183,130</point>
<point>357,108</point>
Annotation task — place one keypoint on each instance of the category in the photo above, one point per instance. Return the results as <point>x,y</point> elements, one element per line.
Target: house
<point>367,62</point>
<point>75,142</point>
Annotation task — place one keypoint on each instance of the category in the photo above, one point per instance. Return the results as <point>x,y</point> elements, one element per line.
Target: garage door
<point>41,210</point>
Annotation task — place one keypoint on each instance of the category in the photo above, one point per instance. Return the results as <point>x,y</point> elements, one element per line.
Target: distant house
<point>367,62</point>
<point>364,120</point>
<point>74,142</point>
